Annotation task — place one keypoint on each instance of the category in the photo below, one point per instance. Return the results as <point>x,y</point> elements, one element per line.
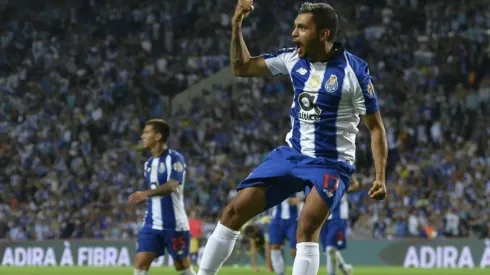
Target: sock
<point>140,272</point>
<point>341,262</point>
<point>277,261</point>
<point>217,250</point>
<point>188,271</point>
<point>331,260</point>
<point>307,261</point>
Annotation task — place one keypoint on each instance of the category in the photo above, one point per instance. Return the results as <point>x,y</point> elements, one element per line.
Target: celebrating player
<point>333,232</point>
<point>165,224</point>
<point>283,226</point>
<point>332,89</point>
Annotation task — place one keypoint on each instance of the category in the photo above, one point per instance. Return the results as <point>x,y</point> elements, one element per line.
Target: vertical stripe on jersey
<point>285,211</point>
<point>167,204</point>
<point>346,143</point>
<point>147,218</point>
<point>326,134</point>
<point>313,87</point>
<point>342,211</point>
<point>181,220</point>
<point>299,82</point>
<point>156,205</point>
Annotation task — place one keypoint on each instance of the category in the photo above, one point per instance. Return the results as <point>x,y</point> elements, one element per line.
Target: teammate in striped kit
<point>165,224</point>
<point>333,90</point>
<point>333,232</point>
<point>283,226</point>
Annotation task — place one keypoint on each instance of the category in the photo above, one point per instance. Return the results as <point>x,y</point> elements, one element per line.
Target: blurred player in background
<point>333,233</point>
<point>284,222</point>
<point>165,224</point>
<point>258,245</point>
<point>332,91</point>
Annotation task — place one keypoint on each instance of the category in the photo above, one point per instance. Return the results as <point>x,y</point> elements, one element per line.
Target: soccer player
<point>165,224</point>
<point>332,90</point>
<point>283,226</point>
<point>257,244</point>
<point>333,232</point>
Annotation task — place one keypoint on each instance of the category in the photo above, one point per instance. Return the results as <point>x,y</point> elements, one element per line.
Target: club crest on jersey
<point>179,167</point>
<point>161,168</point>
<point>332,84</point>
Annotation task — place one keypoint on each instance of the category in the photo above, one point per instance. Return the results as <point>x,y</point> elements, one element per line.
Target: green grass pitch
<point>226,270</point>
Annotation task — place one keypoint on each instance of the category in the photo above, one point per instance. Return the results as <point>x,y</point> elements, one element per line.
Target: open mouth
<point>299,47</point>
<point>297,44</point>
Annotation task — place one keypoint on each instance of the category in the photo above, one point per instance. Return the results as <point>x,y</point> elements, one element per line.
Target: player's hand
<point>138,197</point>
<point>243,9</point>
<point>378,191</point>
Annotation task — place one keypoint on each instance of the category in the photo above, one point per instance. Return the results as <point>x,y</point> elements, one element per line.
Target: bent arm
<point>169,187</point>
<point>242,64</point>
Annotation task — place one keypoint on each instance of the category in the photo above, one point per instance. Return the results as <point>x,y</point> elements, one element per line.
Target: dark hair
<point>324,17</point>
<point>161,127</point>
<point>249,230</point>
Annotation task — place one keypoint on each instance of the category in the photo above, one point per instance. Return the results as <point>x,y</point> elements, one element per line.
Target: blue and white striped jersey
<point>287,211</point>
<point>166,212</point>
<point>342,211</point>
<point>328,99</point>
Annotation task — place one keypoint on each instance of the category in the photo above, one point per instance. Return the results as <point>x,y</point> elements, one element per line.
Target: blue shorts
<point>281,230</point>
<point>176,242</point>
<point>333,234</point>
<point>285,172</point>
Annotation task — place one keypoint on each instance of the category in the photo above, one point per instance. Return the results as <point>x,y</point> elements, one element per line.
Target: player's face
<point>149,137</point>
<point>306,37</point>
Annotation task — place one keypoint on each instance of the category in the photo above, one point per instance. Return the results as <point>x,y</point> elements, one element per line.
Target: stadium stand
<point>77,83</point>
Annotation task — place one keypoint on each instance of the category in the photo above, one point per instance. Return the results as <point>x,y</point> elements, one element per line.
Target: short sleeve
<point>178,168</point>
<point>364,96</point>
<point>277,62</point>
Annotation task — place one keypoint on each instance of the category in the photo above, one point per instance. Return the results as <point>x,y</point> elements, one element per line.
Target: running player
<point>333,232</point>
<point>283,226</point>
<point>332,90</point>
<point>165,224</point>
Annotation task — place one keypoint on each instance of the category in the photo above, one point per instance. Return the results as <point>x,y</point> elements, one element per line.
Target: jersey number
<point>178,243</point>
<point>328,187</point>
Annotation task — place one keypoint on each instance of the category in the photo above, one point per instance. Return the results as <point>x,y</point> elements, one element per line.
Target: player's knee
<point>142,262</point>
<point>231,217</point>
<point>248,203</point>
<point>275,247</point>
<point>141,266</point>
<point>331,251</point>
<point>181,265</point>
<point>307,230</point>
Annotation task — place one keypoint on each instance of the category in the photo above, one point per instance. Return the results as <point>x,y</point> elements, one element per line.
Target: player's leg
<point>276,239</point>
<point>339,242</point>
<point>268,260</point>
<point>150,246</point>
<point>247,204</point>
<point>178,246</point>
<point>268,185</point>
<point>329,185</point>
<point>292,238</point>
<point>312,217</point>
<point>327,237</point>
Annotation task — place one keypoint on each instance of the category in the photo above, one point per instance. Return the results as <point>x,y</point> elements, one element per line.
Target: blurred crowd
<point>77,84</point>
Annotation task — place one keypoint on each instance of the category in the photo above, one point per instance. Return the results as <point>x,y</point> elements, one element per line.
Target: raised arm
<point>242,64</point>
